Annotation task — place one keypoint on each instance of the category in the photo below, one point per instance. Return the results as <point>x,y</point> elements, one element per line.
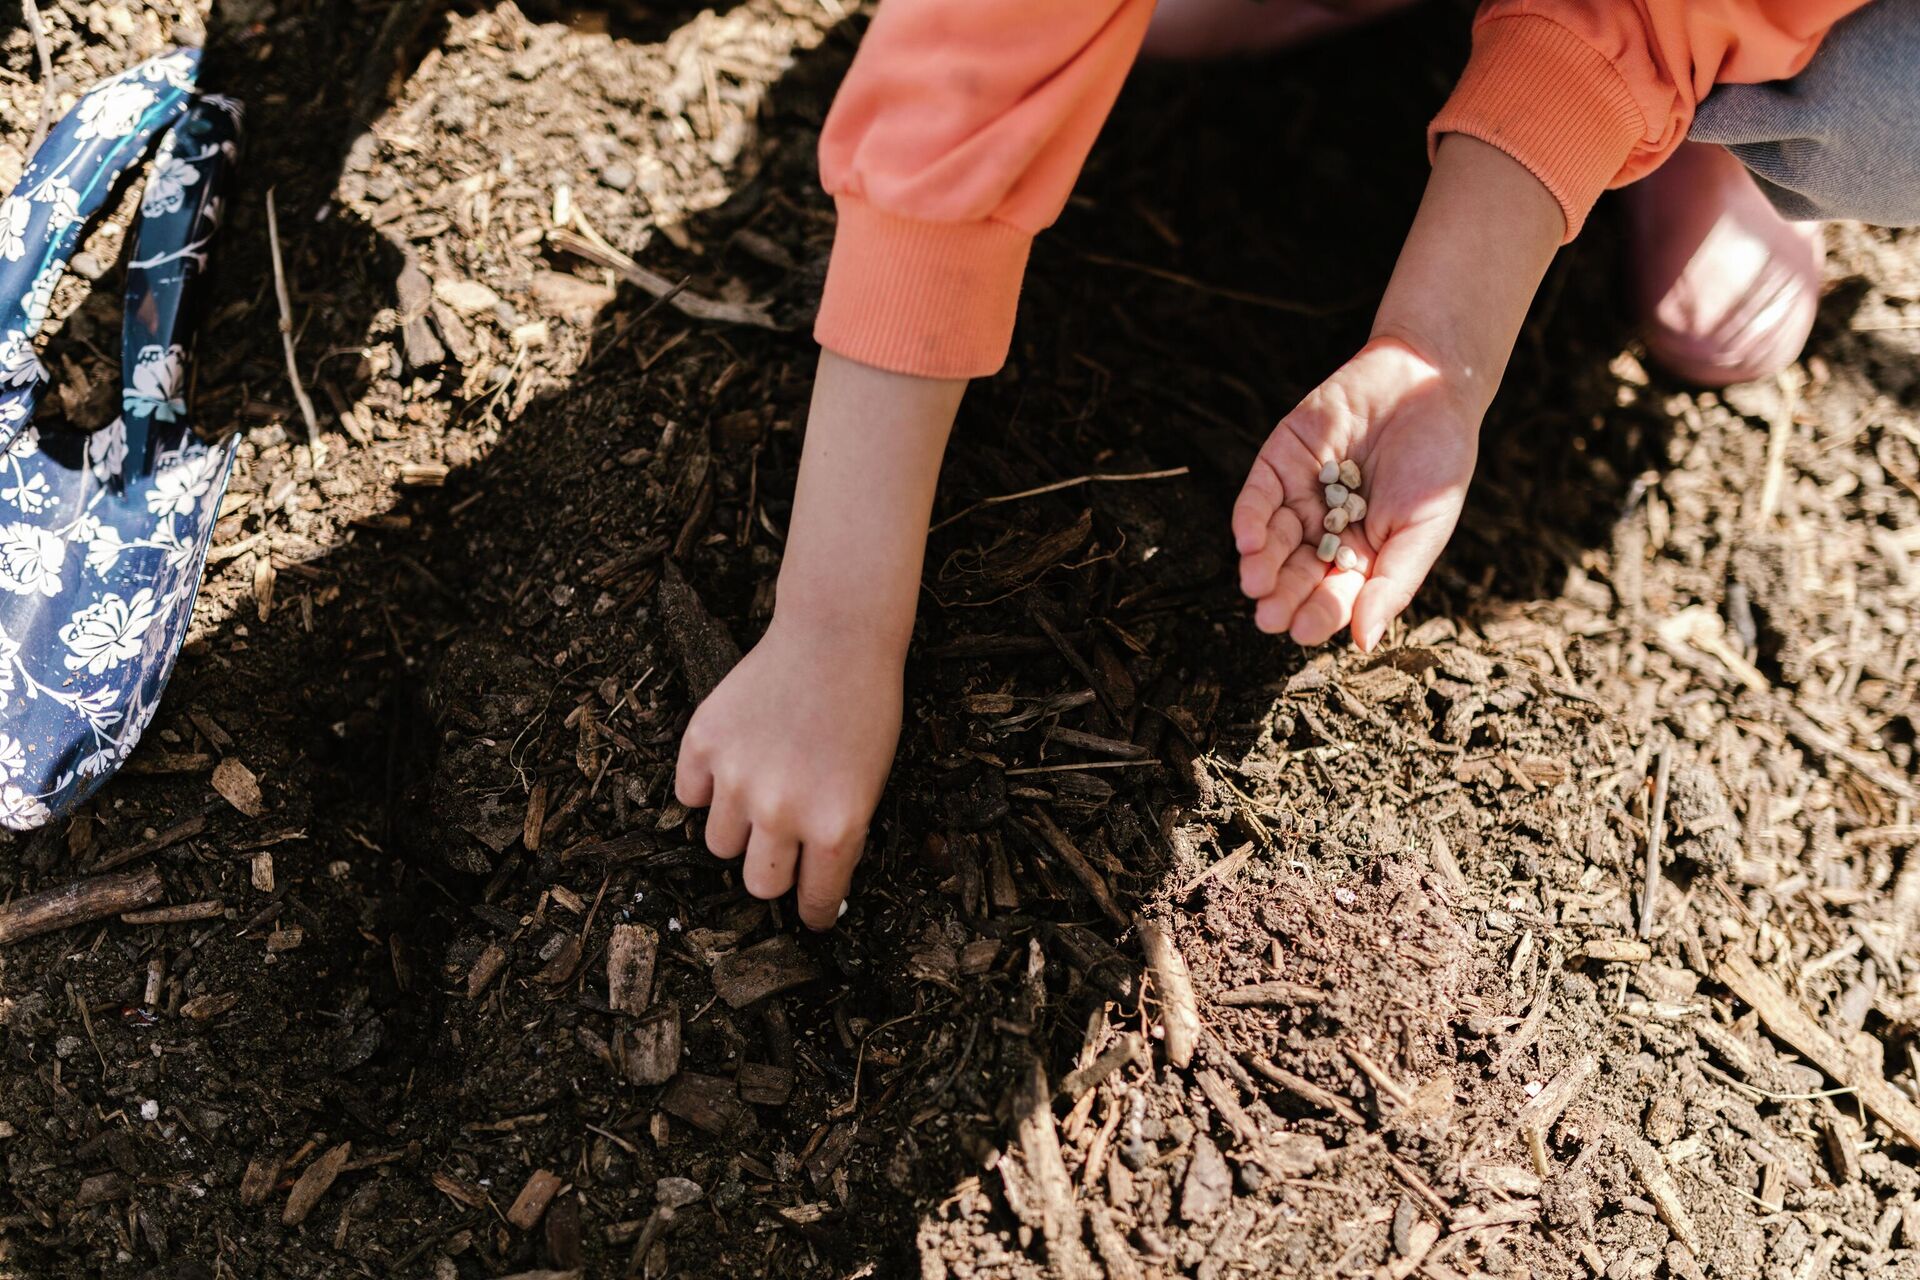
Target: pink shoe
<point>1726,288</point>
<point>1222,28</point>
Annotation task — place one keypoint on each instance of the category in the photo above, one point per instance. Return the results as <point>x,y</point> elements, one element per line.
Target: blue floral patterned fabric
<point>103,535</point>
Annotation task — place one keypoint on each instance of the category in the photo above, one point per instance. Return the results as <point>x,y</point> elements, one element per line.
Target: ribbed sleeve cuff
<point>936,299</point>
<point>1551,101</point>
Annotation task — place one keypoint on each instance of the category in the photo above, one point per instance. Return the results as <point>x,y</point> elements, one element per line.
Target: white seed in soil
<point>1335,520</point>
<point>1346,558</point>
<point>1329,547</point>
<point>1349,474</point>
<point>1336,495</point>
<point>1356,507</point>
<point>1329,473</point>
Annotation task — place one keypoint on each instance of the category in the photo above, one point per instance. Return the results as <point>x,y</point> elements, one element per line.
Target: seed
<point>1346,558</point>
<point>1330,547</point>
<point>1356,507</point>
<point>1336,495</point>
<point>1335,520</point>
<point>1329,473</point>
<point>1349,474</point>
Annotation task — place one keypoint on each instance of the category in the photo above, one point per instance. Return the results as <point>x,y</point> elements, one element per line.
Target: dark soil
<point>457,636</point>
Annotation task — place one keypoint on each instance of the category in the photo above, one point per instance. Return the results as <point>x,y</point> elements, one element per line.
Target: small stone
<point>149,1110</point>
<point>1356,507</point>
<point>1329,473</point>
<point>1335,520</point>
<point>1336,495</point>
<point>619,175</point>
<point>1346,558</point>
<point>1329,547</point>
<point>843,909</point>
<point>1349,474</point>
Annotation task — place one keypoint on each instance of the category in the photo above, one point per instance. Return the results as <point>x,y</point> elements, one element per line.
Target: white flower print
<point>9,652</point>
<point>103,550</point>
<point>13,756</point>
<point>31,494</point>
<point>25,443</point>
<point>113,110</point>
<point>107,449</point>
<point>107,632</point>
<point>159,376</point>
<point>65,199</point>
<point>92,766</point>
<point>21,811</point>
<point>14,212</point>
<point>183,478</point>
<point>12,412</point>
<point>175,69</point>
<point>167,185</point>
<point>39,300</point>
<point>234,108</point>
<point>19,363</point>
<point>85,528</point>
<point>30,560</point>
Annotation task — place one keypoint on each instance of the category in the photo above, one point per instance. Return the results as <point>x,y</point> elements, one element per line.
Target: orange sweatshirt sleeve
<point>1591,94</point>
<point>955,138</point>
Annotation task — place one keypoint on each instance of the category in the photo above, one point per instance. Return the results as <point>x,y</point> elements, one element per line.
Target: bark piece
<point>486,969</point>
<point>705,649</point>
<point>768,968</point>
<point>1049,1189</point>
<point>631,954</point>
<point>1208,1187</point>
<point>708,1103</point>
<point>1172,983</point>
<point>78,903</point>
<point>528,1207</point>
<point>1083,871</point>
<point>1781,1014</point>
<point>764,1085</point>
<point>257,1183</point>
<point>313,1183</point>
<point>238,787</point>
<point>650,1052</point>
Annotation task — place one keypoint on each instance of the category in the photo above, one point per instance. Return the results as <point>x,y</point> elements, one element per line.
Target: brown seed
<point>1356,507</point>
<point>1350,474</point>
<point>1329,547</point>
<point>1335,520</point>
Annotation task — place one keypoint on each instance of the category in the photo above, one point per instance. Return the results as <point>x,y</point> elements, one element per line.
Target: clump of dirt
<point>468,998</point>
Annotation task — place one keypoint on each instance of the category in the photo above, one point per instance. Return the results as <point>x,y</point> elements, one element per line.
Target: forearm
<point>1479,247</point>
<point>867,473</point>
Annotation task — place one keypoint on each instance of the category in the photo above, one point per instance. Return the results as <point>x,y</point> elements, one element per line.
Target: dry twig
<point>286,323</point>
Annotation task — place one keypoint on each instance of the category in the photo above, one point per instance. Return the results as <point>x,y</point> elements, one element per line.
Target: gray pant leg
<point>1842,138</point>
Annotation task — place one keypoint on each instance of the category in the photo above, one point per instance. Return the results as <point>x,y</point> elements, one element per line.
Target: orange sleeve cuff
<point>934,299</point>
<point>1551,101</point>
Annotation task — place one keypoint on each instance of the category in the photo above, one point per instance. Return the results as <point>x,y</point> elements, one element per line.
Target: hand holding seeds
<point>1353,496</point>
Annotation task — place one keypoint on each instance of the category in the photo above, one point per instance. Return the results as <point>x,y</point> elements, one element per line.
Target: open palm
<point>1391,411</point>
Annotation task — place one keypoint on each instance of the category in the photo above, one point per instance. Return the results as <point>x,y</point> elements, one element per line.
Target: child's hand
<point>792,751</point>
<point>1414,438</point>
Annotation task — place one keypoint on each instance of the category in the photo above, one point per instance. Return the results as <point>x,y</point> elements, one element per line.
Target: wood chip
<point>531,1204</point>
<point>485,969</point>
<point>710,1104</point>
<point>763,1085</point>
<point>1651,1169</point>
<point>773,966</point>
<point>1173,985</point>
<point>260,871</point>
<point>238,786</point>
<point>1053,1208</point>
<point>313,1183</point>
<point>649,1053</point>
<point>256,1184</point>
<point>1543,1109</point>
<point>1782,1015</point>
<point>180,913</point>
<point>631,954</point>
<point>1083,871</point>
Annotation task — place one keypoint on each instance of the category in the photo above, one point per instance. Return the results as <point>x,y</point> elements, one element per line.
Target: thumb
<point>1399,567</point>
